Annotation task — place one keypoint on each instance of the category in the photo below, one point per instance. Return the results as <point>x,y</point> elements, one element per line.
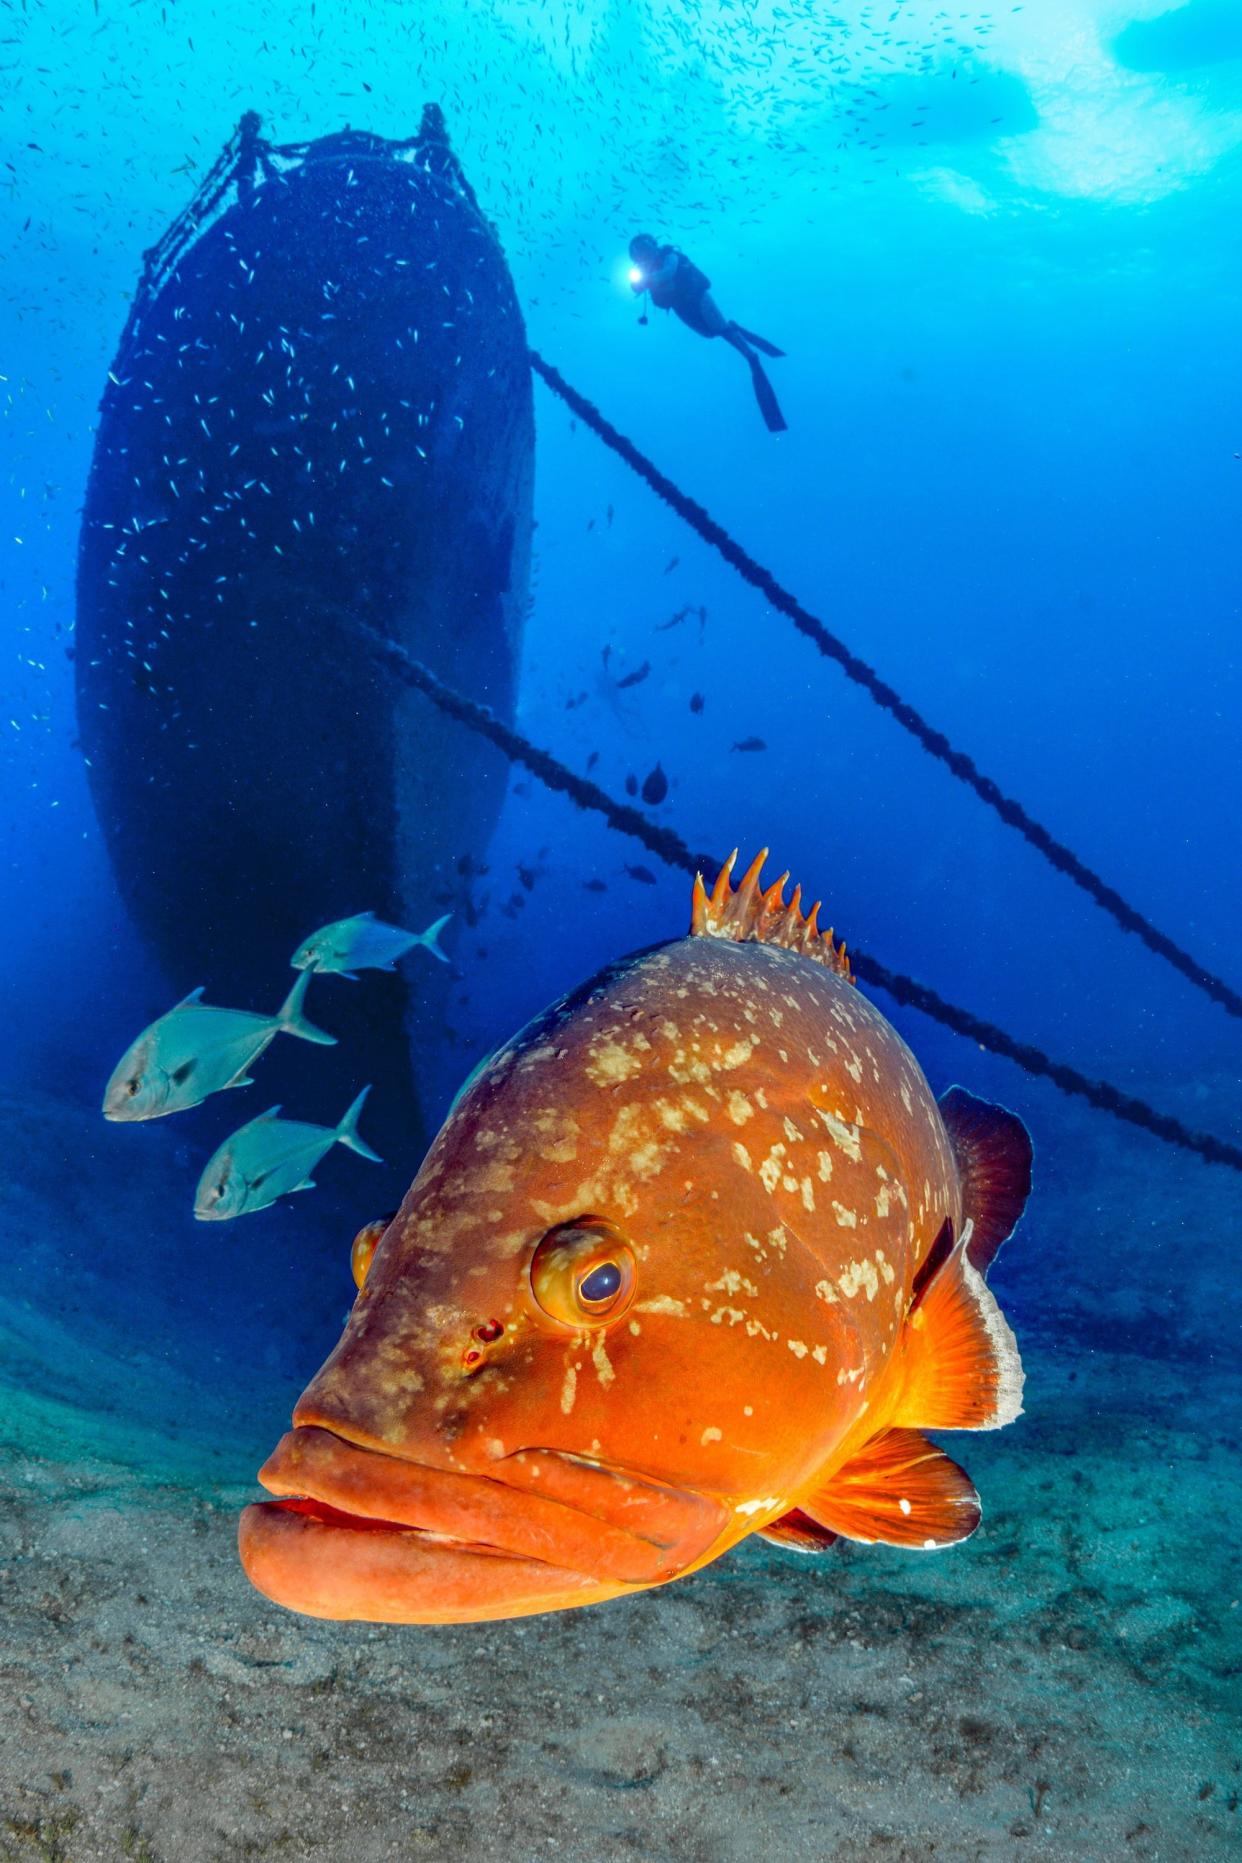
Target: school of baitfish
<point>197,1049</point>
<point>696,1256</point>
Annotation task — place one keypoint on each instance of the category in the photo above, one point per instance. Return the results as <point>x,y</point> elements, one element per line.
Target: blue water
<point>999,248</point>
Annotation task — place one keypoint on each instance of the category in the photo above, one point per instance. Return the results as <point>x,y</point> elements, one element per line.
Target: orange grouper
<point>696,1255</point>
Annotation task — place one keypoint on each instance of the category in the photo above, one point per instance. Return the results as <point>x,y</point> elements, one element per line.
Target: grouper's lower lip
<point>365,1535</point>
<point>396,1575</point>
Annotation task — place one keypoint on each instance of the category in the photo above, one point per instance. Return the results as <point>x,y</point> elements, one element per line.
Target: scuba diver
<point>676,283</point>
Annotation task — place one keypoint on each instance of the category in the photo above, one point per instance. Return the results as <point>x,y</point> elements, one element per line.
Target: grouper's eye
<point>365,1244</point>
<point>583,1273</point>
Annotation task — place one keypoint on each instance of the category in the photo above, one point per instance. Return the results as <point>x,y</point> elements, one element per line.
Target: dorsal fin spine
<point>744,902</point>
<point>751,914</point>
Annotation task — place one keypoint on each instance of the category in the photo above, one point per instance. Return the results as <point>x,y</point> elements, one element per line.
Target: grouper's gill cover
<point>696,1256</point>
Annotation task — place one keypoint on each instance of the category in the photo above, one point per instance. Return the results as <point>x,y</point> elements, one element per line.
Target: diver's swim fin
<point>759,342</point>
<point>765,395</point>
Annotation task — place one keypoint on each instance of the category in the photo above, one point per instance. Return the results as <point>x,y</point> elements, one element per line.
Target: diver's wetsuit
<point>676,283</point>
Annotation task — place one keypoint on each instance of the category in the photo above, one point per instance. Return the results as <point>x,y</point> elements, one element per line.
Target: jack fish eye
<point>365,1244</point>
<point>583,1272</point>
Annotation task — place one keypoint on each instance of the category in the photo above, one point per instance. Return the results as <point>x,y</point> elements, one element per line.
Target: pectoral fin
<point>797,1532</point>
<point>899,1490</point>
<point>957,1362</point>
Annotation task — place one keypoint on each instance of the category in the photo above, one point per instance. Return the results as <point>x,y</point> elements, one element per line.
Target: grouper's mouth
<point>358,1533</point>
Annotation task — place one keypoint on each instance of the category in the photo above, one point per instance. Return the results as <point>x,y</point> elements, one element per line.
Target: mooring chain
<point>674,852</point>
<point>933,741</point>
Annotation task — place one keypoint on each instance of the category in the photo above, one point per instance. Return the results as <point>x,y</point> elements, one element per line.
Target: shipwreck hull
<point>320,415</point>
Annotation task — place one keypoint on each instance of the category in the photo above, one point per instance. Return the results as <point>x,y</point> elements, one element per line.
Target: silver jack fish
<point>364,943</point>
<point>269,1158</point>
<point>197,1049</point>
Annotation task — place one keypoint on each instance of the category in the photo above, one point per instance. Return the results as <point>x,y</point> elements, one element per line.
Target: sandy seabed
<point>1068,1685</point>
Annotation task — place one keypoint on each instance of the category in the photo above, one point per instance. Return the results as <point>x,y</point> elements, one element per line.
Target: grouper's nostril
<point>485,1334</point>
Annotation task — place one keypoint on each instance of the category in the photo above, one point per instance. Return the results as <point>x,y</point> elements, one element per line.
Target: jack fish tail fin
<point>347,1132</point>
<point>430,939</point>
<point>290,1019</point>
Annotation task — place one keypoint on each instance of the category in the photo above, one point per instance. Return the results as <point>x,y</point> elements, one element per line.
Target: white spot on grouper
<point>494,1176</point>
<point>770,1170</point>
<point>739,1053</point>
<point>558,1137</point>
<point>568,1389</point>
<point>611,1063</point>
<point>846,1138</point>
<point>535,1056</point>
<point>711,1435</point>
<point>859,1274</point>
<point>730,1282</point>
<point>647,1161</point>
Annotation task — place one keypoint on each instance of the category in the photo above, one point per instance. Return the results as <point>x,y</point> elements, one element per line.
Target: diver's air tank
<point>320,412</point>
